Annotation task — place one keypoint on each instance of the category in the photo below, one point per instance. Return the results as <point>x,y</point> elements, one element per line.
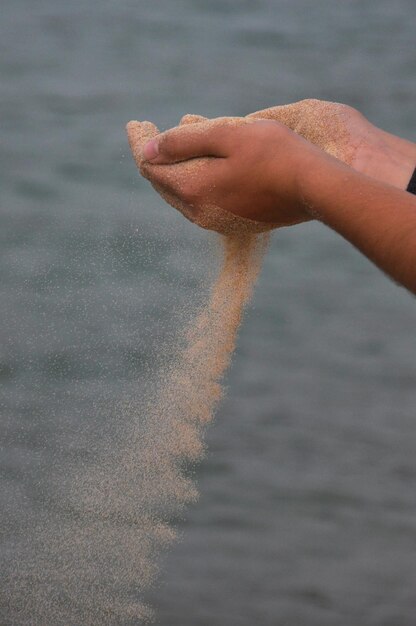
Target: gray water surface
<point>307,514</point>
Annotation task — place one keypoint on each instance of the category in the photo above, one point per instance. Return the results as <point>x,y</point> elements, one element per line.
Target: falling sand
<point>91,562</point>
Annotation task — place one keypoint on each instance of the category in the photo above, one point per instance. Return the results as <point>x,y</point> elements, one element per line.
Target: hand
<point>246,167</point>
<point>345,133</point>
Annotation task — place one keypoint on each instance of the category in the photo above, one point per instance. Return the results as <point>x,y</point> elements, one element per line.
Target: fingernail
<point>151,149</point>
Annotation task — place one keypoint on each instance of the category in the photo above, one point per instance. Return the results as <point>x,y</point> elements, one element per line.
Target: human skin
<point>267,172</point>
<point>344,132</point>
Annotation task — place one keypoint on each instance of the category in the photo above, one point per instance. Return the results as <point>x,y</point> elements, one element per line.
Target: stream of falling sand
<point>90,562</point>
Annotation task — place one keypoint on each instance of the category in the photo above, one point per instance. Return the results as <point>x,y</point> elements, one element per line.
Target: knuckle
<point>311,103</point>
<point>352,111</point>
<point>190,118</point>
<point>278,129</point>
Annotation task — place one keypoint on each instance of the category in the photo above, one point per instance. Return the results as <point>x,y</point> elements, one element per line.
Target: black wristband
<point>411,187</point>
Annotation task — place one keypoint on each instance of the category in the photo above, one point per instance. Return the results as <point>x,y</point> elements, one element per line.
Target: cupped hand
<point>248,168</point>
<point>345,133</point>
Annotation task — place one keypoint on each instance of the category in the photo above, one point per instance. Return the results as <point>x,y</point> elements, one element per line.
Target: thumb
<point>210,138</point>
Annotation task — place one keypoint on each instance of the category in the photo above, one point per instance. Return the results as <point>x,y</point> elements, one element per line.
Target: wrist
<point>390,159</point>
<point>314,181</point>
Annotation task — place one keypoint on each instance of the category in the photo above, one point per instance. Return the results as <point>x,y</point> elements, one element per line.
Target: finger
<point>185,179</point>
<point>209,138</point>
<point>194,182</point>
<point>139,133</point>
<point>189,118</point>
<point>175,202</point>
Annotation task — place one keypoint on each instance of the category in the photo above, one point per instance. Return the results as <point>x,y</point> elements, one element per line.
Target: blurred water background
<point>307,512</point>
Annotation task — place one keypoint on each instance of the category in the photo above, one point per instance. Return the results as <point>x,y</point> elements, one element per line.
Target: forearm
<point>377,218</point>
